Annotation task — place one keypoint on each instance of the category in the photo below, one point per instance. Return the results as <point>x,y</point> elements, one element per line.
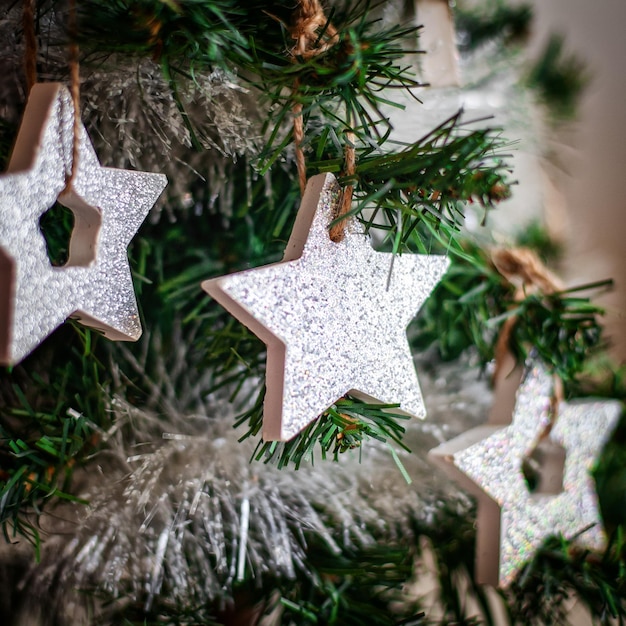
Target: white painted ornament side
<point>109,205</point>
<point>439,67</point>
<point>330,320</point>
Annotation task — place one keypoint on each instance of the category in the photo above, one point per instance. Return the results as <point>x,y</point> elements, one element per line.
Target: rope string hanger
<point>30,44</point>
<point>30,70</point>
<point>74,68</point>
<point>523,269</point>
<point>314,34</point>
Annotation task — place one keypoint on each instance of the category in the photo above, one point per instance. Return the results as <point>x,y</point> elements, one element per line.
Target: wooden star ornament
<point>488,461</point>
<point>109,205</point>
<point>332,315</point>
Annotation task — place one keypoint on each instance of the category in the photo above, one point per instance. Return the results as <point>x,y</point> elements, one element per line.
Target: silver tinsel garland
<point>184,519</point>
<point>142,126</point>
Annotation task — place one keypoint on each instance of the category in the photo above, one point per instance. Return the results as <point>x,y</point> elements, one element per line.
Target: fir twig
<point>474,299</point>
<point>560,79</point>
<point>478,25</point>
<point>358,587</point>
<point>342,427</point>
<point>432,179</point>
<point>47,426</point>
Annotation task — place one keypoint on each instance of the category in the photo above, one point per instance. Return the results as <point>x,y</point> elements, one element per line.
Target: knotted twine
<point>74,90</point>
<point>30,69</point>
<point>30,44</point>
<point>314,34</point>
<point>523,269</point>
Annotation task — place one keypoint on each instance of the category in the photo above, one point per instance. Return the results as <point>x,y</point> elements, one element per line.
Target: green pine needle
<point>346,425</point>
<point>498,20</point>
<point>473,300</point>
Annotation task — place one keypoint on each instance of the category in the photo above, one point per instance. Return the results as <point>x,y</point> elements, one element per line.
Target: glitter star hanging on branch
<point>95,286</point>
<point>513,522</point>
<point>333,317</point>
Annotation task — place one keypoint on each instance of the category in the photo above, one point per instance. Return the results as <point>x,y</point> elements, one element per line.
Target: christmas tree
<point>209,471</point>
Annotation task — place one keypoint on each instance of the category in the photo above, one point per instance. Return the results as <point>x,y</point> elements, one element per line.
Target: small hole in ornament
<point>70,231</point>
<point>543,468</point>
<point>56,226</point>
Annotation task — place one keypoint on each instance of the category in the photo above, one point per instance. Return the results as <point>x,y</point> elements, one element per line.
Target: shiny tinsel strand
<point>178,514</point>
<point>194,517</point>
<point>142,126</point>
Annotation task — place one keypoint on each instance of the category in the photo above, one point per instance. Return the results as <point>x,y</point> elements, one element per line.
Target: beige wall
<point>595,187</point>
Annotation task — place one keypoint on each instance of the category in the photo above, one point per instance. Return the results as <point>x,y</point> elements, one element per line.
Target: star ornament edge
<point>311,253</point>
<point>507,522</point>
<point>97,291</point>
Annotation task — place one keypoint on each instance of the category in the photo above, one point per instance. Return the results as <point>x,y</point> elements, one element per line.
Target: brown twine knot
<point>30,44</point>
<point>337,231</point>
<point>30,66</point>
<point>74,67</point>
<point>309,20</point>
<point>527,273</point>
<point>314,34</point>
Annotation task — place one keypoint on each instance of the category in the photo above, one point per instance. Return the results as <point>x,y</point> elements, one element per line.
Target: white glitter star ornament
<point>331,322</point>
<point>109,205</point>
<point>513,522</point>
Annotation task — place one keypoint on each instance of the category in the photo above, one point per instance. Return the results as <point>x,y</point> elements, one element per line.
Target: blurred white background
<point>594,152</point>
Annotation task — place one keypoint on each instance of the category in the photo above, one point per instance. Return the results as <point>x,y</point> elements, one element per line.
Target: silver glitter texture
<point>495,466</point>
<point>333,315</point>
<point>109,205</point>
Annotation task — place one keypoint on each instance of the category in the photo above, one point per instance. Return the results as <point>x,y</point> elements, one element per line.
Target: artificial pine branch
<point>473,301</point>
<point>559,79</point>
<point>351,80</point>
<point>50,410</point>
<point>432,179</point>
<point>48,424</point>
<point>425,181</point>
<point>344,426</point>
<point>358,587</point>
<point>192,33</point>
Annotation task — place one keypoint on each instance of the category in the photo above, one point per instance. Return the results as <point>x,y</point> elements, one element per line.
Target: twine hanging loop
<point>523,269</point>
<point>337,231</point>
<point>74,68</point>
<point>30,68</point>
<point>314,35</point>
<point>30,44</point>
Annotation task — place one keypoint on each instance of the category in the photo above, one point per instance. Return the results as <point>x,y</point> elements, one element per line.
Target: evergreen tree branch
<point>474,300</point>
<point>344,426</point>
<point>48,425</point>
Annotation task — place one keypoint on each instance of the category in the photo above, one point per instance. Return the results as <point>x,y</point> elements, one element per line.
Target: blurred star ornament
<point>332,315</point>
<point>513,522</point>
<point>109,205</point>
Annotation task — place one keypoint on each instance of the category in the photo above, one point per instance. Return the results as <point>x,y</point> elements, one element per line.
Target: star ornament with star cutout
<point>513,522</point>
<point>332,315</point>
<point>109,205</point>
